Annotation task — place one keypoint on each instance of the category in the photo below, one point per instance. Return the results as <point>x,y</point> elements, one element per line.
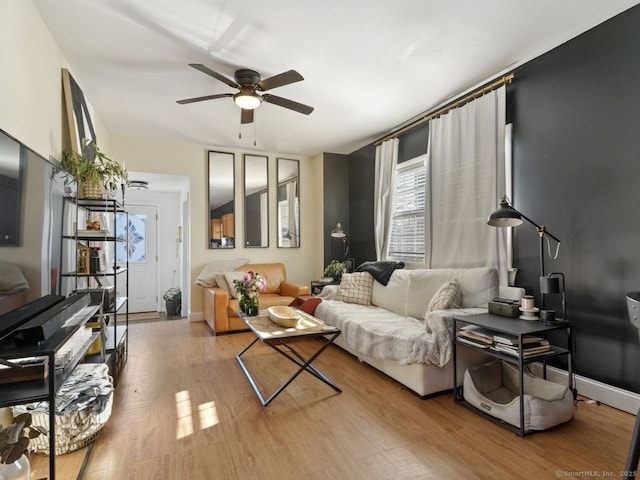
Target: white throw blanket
<point>380,334</point>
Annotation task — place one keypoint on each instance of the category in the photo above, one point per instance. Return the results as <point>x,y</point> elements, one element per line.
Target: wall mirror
<point>221,200</point>
<point>288,203</point>
<point>256,201</point>
<point>11,161</point>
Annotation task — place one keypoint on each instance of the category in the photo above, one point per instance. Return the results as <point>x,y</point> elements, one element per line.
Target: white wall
<point>173,158</point>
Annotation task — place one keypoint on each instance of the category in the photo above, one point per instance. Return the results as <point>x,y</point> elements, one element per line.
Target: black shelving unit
<point>45,389</point>
<point>519,328</point>
<point>114,323</point>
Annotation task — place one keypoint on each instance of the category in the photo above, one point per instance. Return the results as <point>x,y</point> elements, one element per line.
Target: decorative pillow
<point>356,288</point>
<point>230,277</point>
<point>206,278</point>
<point>12,280</point>
<point>221,282</point>
<point>447,296</point>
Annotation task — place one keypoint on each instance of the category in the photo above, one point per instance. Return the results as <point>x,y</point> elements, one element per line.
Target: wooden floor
<point>184,410</point>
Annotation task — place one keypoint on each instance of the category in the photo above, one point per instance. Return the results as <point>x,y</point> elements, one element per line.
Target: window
<point>134,230</point>
<point>408,211</point>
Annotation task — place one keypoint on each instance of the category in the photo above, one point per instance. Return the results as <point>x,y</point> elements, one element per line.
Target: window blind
<point>408,212</point>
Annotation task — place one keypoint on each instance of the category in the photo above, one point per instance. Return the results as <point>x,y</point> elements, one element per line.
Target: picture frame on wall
<point>79,115</point>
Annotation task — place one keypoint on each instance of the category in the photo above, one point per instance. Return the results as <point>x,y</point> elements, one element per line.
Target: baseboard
<point>608,394</point>
<point>196,317</point>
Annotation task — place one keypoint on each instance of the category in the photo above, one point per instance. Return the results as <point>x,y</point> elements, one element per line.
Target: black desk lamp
<point>507,216</point>
<point>339,233</point>
<point>551,285</point>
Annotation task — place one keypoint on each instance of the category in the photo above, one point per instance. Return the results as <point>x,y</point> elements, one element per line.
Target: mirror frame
<point>285,177</point>
<point>256,183</point>
<point>219,198</point>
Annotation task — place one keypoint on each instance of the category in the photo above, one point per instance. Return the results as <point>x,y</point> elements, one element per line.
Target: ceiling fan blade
<point>284,78</point>
<point>286,103</point>
<point>216,75</point>
<point>206,97</point>
<point>246,116</point>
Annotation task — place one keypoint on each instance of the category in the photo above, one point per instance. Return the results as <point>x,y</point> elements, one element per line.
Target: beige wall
<point>31,102</point>
<point>173,158</point>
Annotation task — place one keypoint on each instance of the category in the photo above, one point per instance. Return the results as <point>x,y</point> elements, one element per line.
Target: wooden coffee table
<point>280,339</point>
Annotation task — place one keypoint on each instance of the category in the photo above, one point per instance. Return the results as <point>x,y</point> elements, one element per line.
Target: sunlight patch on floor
<point>184,426</point>
<point>207,415</point>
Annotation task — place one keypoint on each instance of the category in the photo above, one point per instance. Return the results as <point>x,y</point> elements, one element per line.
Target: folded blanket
<point>381,270</point>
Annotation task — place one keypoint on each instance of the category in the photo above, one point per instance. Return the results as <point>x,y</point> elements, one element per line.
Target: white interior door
<point>143,259</point>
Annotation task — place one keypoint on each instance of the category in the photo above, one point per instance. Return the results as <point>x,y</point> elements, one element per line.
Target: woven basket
<point>90,190</point>
<point>73,431</point>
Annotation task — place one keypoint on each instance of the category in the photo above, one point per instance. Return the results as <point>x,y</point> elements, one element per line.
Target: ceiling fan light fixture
<point>247,99</point>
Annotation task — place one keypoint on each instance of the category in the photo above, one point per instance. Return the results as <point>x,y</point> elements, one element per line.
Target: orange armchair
<point>220,308</point>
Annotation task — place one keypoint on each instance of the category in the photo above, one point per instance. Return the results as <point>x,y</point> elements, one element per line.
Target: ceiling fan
<point>250,83</point>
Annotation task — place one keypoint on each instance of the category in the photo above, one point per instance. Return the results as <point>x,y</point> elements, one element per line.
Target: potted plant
<point>334,270</point>
<point>93,171</point>
<point>14,443</point>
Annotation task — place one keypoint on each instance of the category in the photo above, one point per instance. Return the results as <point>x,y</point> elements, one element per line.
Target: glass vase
<point>249,305</point>
<point>18,470</point>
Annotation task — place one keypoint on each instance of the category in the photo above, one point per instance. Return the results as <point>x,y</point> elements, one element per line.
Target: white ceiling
<point>369,66</point>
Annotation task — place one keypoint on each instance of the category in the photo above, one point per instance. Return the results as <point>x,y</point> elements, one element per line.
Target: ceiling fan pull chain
<point>254,133</point>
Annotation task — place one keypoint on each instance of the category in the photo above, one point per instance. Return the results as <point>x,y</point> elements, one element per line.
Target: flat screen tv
<point>31,213</point>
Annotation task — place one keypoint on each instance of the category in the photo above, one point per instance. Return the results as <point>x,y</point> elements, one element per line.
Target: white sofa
<point>398,336</point>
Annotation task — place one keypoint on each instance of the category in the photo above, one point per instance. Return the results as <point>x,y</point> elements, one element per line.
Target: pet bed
<point>494,388</point>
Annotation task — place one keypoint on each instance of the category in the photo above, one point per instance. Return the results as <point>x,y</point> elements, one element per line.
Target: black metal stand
<point>294,356</point>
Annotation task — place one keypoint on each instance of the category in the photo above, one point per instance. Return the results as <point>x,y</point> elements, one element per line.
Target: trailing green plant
<point>15,438</point>
<point>334,269</point>
<point>96,169</point>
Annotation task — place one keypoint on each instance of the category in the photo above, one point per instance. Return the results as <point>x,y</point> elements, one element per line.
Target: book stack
<point>531,345</point>
<point>476,336</point>
<point>504,343</point>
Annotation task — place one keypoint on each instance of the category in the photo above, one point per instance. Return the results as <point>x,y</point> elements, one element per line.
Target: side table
<point>519,328</point>
<point>318,285</point>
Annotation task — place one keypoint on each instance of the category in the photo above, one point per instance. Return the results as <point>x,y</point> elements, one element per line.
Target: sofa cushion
<point>273,273</point>
<point>265,300</point>
<point>423,285</point>
<point>356,288</point>
<point>448,296</point>
<point>393,296</point>
<point>478,286</point>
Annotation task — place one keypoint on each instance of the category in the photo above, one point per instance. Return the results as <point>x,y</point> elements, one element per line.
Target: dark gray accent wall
<point>576,114</point>
<point>361,191</point>
<point>576,169</point>
<point>336,203</point>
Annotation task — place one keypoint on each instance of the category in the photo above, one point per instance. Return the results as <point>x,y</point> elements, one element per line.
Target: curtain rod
<point>454,104</point>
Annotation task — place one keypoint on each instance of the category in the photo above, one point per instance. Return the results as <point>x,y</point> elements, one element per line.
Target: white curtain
<point>386,160</point>
<point>465,181</point>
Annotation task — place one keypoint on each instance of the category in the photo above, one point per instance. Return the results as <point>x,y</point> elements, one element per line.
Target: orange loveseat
<point>220,308</point>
